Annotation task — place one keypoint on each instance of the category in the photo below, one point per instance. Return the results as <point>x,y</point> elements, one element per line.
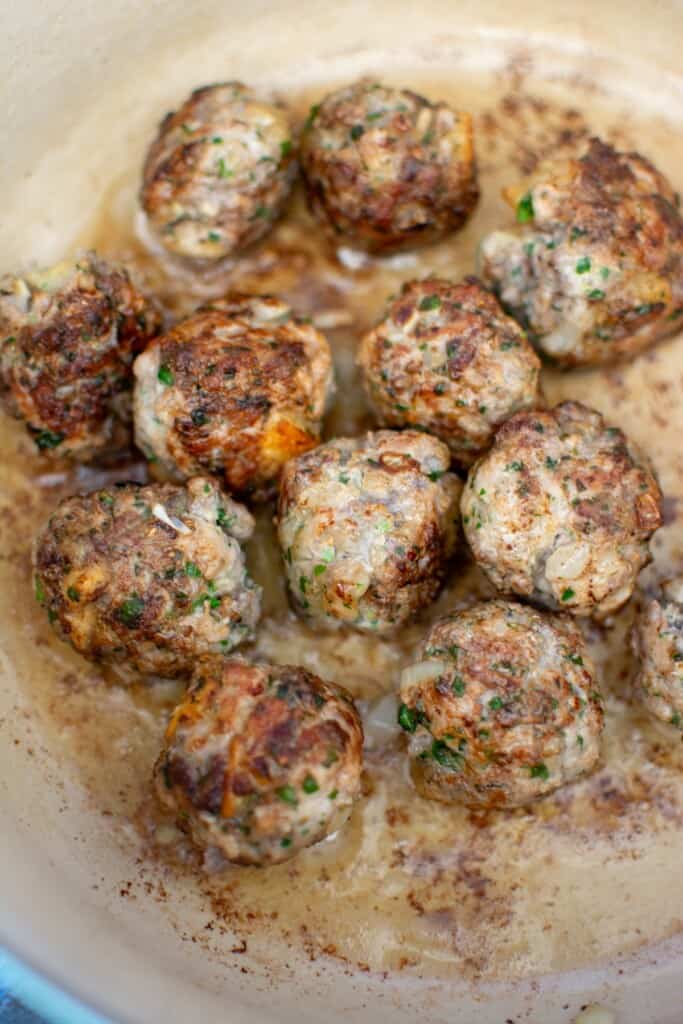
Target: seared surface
<point>595,266</point>
<point>218,173</point>
<point>446,358</point>
<point>658,645</point>
<point>235,390</point>
<point>68,336</point>
<point>387,169</point>
<point>502,706</point>
<point>151,576</point>
<point>261,760</point>
<point>561,510</point>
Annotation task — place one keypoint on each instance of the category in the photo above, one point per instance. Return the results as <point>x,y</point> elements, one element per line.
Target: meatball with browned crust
<point>446,358</point>
<point>366,527</point>
<point>218,173</point>
<point>595,266</point>
<point>236,390</point>
<point>385,169</point>
<point>502,707</point>
<point>658,644</point>
<point>260,761</point>
<point>561,510</point>
<point>68,336</point>
<point>150,575</point>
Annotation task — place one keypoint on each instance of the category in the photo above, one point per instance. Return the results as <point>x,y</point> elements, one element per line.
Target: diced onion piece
<point>424,670</point>
<point>160,513</point>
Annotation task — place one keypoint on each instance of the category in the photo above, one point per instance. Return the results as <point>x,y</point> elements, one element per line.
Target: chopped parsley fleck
<point>223,169</point>
<point>41,596</point>
<point>507,345</point>
<point>356,131</point>
<point>288,795</point>
<point>72,594</point>
<point>285,842</point>
<point>303,583</point>
<point>309,785</point>
<point>525,209</point>
<point>458,686</point>
<point>224,520</point>
<point>583,265</point>
<point>429,302</point>
<point>595,294</point>
<point>446,756</point>
<point>333,794</point>
<point>675,718</point>
<point>312,114</point>
<point>261,212</point>
<point>285,148</point>
<point>106,499</point>
<point>539,771</point>
<point>515,467</point>
<point>165,375</point>
<point>45,439</point>
<point>495,703</point>
<point>199,417</point>
<point>551,463</point>
<point>407,718</point>
<point>130,612</point>
<point>192,569</point>
<point>575,659</point>
<point>318,570</point>
<point>568,594</point>
<point>213,236</point>
<point>436,474</point>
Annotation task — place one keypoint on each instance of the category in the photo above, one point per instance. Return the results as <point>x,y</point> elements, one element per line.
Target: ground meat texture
<point>658,644</point>
<point>594,267</point>
<point>366,527</point>
<point>386,169</point>
<point>502,706</point>
<point>260,761</point>
<point>235,390</point>
<point>218,173</point>
<point>446,358</point>
<point>561,510</point>
<point>149,575</point>
<point>68,336</point>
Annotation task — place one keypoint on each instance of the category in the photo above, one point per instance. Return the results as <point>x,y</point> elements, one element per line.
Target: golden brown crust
<point>446,358</point>
<point>261,760</point>
<point>69,337</point>
<point>150,575</point>
<point>237,389</point>
<point>561,510</point>
<point>503,706</point>
<point>386,169</point>
<point>596,270</point>
<point>218,173</point>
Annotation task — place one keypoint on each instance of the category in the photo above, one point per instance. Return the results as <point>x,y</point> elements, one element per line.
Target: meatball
<point>502,707</point>
<point>236,389</point>
<point>261,760</point>
<point>150,575</point>
<point>561,510</point>
<point>658,643</point>
<point>386,169</point>
<point>366,526</point>
<point>218,173</point>
<point>447,359</point>
<point>595,266</point>
<point>68,336</point>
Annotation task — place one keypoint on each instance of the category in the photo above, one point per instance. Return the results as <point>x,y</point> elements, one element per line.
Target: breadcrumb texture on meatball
<point>447,359</point>
<point>150,575</point>
<point>502,707</point>
<point>594,267</point>
<point>385,169</point>
<point>237,389</point>
<point>561,510</point>
<point>658,644</point>
<point>366,527</point>
<point>218,173</point>
<point>260,760</point>
<point>68,336</point>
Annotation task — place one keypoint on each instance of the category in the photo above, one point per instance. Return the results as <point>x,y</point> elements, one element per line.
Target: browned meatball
<point>366,527</point>
<point>260,760</point>
<point>561,510</point>
<point>595,265</point>
<point>236,389</point>
<point>386,169</point>
<point>502,707</point>
<point>153,576</point>
<point>218,173</point>
<point>68,336</point>
<point>447,359</point>
<point>658,644</point>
